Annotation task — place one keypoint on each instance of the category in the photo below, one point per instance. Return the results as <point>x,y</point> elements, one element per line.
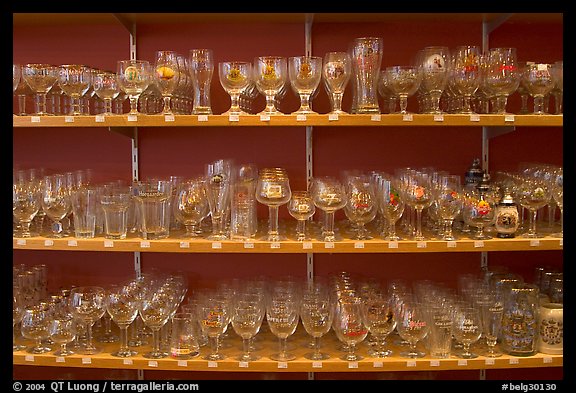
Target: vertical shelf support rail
<point>309,156</point>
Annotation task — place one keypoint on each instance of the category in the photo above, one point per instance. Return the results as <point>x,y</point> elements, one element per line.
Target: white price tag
<point>72,243</point>
<point>542,67</point>
<point>109,243</point>
<point>202,117</point>
<point>152,363</point>
<point>489,362</point>
<point>561,242</point>
<point>300,117</point>
<point>451,244</point>
<point>434,363</point>
<point>329,245</point>
<point>132,118</point>
<point>358,244</point>
<point>534,243</point>
<point>316,364</point>
<point>29,358</point>
<point>474,117</point>
<point>264,117</point>
<point>233,118</point>
<point>216,245</point>
<point>184,244</point>
<point>333,117</point>
<point>35,119</point>
<point>478,243</point>
<point>547,359</point>
<point>282,365</point>
<point>407,117</point>
<point>378,364</point>
<point>48,242</point>
<point>127,362</point>
<point>21,242</point>
<point>169,118</point>
<point>144,244</point>
<point>393,244</point>
<point>68,119</point>
<point>421,244</point>
<point>248,245</point>
<point>352,364</point>
<point>508,117</point>
<point>438,117</point>
<point>411,363</point>
<point>99,118</point>
<point>275,245</point>
<point>462,362</point>
<point>514,361</point>
<point>307,245</point>
<point>86,360</point>
<point>375,118</point>
<point>212,364</point>
<point>182,363</point>
<point>243,364</point>
<point>60,359</point>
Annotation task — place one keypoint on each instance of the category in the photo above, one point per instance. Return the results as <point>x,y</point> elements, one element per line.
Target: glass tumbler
<point>366,56</point>
<point>153,202</point>
<point>84,206</point>
<point>115,204</point>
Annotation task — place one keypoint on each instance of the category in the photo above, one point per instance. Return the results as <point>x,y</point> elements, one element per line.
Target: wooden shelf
<point>268,344</point>
<point>290,120</point>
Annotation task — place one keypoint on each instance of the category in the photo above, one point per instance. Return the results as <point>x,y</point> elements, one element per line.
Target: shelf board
<point>177,244</point>
<point>297,346</point>
<point>484,120</point>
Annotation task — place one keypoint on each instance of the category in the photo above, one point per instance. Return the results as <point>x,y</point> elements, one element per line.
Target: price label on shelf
<point>21,242</point>
<point>169,118</point>
<point>542,67</point>
<point>29,358</point>
<point>216,245</point>
<point>86,360</point>
<point>462,362</point>
<point>202,117</point>
<point>212,364</point>
<point>393,244</point>
<point>474,117</point>
<point>233,118</point>
<point>534,243</point>
<point>127,362</point>
<point>514,361</point>
<point>184,244</point>
<point>152,363</point>
<point>375,118</point>
<point>182,363</point>
<point>451,244</point>
<point>547,360</point>
<point>421,245</point>
<point>438,117</point>
<point>248,245</point>
<point>561,242</point>
<point>307,245</point>
<point>478,243</point>
<point>132,118</point>
<point>508,118</point>
<point>243,364</point>
<point>108,243</point>
<point>377,364</point>
<point>99,118</point>
<point>145,244</point>
<point>411,363</point>
<point>489,362</point>
<point>48,243</point>
<point>68,119</point>
<point>300,117</point>
<point>333,117</point>
<point>34,119</point>
<point>72,243</point>
<point>352,364</point>
<point>60,359</point>
<point>434,363</point>
<point>264,117</point>
<point>407,117</point>
<point>275,245</point>
<point>282,365</point>
<point>358,244</point>
<point>316,364</point>
<point>329,245</point>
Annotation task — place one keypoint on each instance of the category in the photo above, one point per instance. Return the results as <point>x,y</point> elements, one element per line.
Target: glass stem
<point>235,106</point>
<point>41,104</point>
<point>89,344</point>
<point>329,229</point>
<point>156,341</point>
<point>166,109</point>
<point>301,229</point>
<point>108,105</point>
<point>337,100</point>
<point>270,107</point>
<point>273,223</point>
<point>213,344</point>
<point>403,103</point>
<point>501,104</point>
<point>246,347</point>
<point>538,104</point>
<point>317,353</point>
<point>533,214</point>
<point>466,107</point>
<point>283,343</point>
<point>75,105</point>
<point>419,224</point>
<point>123,338</point>
<point>351,351</point>
<point>524,103</point>
<point>304,102</point>
<point>448,228</point>
<point>22,104</point>
<point>133,105</point>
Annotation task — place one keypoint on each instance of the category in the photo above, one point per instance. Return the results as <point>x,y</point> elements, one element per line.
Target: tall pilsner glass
<point>366,55</point>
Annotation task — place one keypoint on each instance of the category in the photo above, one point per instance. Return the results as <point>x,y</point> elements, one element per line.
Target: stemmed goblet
<point>63,331</point>
<point>362,205</point>
<point>166,76</point>
<point>417,192</point>
<point>122,306</point>
<point>247,312</point>
<point>273,190</point>
<point>532,194</point>
<point>491,310</point>
<point>17,314</point>
<point>305,73</point>
<point>106,87</point>
<point>235,77</point>
<point>75,80</point>
<point>16,76</point>
<point>134,76</point>
<point>448,202</point>
<point>329,196</point>
<point>191,205</point>
<point>25,204</point>
<point>270,73</point>
<point>412,326</point>
<point>502,76</point>
<point>336,71</point>
<point>282,315</point>
<point>35,325</point>
<point>301,207</point>
<point>391,203</point>
<point>317,315</point>
<point>214,316</point>
<point>435,63</point>
<point>40,78</point>
<point>467,329</point>
<point>538,80</point>
<point>88,305</point>
<point>349,325</point>
<point>465,74</point>
<point>56,201</point>
<point>478,210</point>
<point>403,81</point>
<point>379,316</point>
<point>218,182</point>
<point>155,310</point>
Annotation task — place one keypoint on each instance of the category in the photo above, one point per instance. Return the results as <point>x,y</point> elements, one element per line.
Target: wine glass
<point>25,204</point>
<point>379,316</point>
<point>88,305</point>
<point>435,63</point>
<point>63,331</point>
<point>349,326</point>
<point>235,77</point>
<point>191,205</point>
<point>448,202</point>
<point>166,75</point>
<point>305,73</point>
<point>403,81</point>
<point>247,312</point>
<point>218,182</point>
<point>17,314</point>
<point>532,194</point>
<point>467,329</point>
<point>282,315</point>
<point>134,76</point>
<point>391,203</point>
<point>35,325</point>
<point>301,207</point>
<point>270,73</point>
<point>538,80</point>
<point>201,69</point>
<point>106,87</point>
<point>329,196</point>
<point>502,76</point>
<point>273,190</point>
<point>361,205</point>
<point>155,310</point>
<point>336,71</point>
<point>56,201</point>
<point>317,315</point>
<point>40,78</point>
<point>465,74</point>
<point>75,80</point>
<point>122,306</point>
<point>412,326</point>
<point>417,192</point>
<point>214,316</point>
<point>478,210</point>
